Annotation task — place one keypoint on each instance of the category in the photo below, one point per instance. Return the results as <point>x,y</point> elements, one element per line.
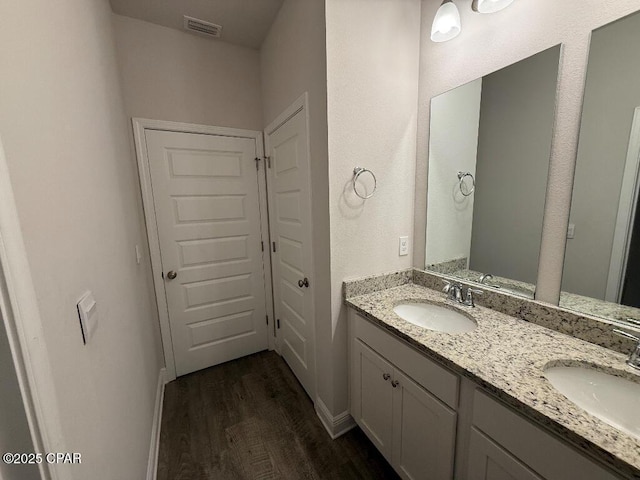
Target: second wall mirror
<point>489,149</point>
<point>601,273</point>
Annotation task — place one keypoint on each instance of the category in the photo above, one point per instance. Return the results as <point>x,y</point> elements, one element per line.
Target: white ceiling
<point>244,22</point>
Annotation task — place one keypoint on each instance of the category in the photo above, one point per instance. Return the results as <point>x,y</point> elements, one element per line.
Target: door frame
<point>140,125</point>
<point>25,332</point>
<point>629,195</point>
<point>301,104</point>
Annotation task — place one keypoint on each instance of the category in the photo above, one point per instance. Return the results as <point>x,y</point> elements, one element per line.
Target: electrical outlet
<point>571,231</point>
<point>404,246</point>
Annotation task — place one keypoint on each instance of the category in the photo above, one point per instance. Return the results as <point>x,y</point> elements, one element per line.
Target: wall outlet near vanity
<point>403,246</point>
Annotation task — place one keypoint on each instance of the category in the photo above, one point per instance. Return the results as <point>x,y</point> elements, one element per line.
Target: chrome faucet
<point>485,277</point>
<point>634,357</point>
<point>454,293</point>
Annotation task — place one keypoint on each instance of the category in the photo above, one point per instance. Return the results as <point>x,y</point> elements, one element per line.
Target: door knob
<point>171,274</point>
<point>303,283</point>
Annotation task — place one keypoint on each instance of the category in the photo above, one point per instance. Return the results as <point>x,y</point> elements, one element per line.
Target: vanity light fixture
<point>490,6</point>
<point>446,25</point>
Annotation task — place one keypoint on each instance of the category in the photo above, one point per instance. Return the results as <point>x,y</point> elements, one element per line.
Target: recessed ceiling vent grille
<point>202,27</point>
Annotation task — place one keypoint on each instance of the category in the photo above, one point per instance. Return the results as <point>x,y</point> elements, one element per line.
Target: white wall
<point>490,42</point>
<point>611,96</point>
<point>65,135</point>
<point>455,118</point>
<point>293,61</point>
<point>177,76</point>
<point>372,93</point>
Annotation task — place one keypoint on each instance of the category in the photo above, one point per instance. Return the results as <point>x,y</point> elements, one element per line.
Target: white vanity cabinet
<point>424,419</point>
<point>505,446</point>
<point>408,423</point>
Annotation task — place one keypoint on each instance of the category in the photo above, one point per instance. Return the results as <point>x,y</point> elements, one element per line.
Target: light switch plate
<point>88,313</point>
<point>404,246</point>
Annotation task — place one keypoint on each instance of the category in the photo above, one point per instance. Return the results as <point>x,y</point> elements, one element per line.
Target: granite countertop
<point>507,356</point>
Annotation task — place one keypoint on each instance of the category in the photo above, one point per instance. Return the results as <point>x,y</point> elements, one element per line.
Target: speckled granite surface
<point>507,357</point>
<point>571,301</point>
<point>590,329</point>
<point>449,267</point>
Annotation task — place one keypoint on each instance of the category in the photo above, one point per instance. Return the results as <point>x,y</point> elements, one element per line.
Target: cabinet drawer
<point>539,450</point>
<point>436,379</point>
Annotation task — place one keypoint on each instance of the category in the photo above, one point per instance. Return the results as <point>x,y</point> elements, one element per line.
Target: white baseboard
<point>152,466</point>
<point>335,426</point>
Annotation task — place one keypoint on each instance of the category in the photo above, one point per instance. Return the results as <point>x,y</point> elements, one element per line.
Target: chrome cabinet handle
<point>386,376</point>
<point>171,275</point>
<point>303,283</point>
<point>395,383</point>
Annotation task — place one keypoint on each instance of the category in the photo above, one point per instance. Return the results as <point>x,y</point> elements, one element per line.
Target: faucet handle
<point>622,333</point>
<point>634,358</point>
<point>470,293</point>
<point>447,286</point>
<point>633,321</point>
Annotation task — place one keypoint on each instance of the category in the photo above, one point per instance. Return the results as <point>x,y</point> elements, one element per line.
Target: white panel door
<point>205,191</point>
<point>290,226</point>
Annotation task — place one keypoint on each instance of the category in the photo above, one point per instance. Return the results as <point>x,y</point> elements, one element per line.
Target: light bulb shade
<point>490,6</point>
<point>446,25</point>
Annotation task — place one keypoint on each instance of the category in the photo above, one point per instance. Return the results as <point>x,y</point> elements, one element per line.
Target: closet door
<point>287,149</point>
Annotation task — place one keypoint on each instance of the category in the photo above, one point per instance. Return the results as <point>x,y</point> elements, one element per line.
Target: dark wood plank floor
<point>250,419</point>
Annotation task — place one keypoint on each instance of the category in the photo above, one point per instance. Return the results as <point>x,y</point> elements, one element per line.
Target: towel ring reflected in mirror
<point>466,191</point>
<point>356,174</point>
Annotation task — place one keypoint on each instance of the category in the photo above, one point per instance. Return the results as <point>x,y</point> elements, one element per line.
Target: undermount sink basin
<point>434,317</point>
<point>614,400</point>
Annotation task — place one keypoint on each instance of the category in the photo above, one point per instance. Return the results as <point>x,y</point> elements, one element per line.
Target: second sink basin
<point>612,399</point>
<point>435,317</point>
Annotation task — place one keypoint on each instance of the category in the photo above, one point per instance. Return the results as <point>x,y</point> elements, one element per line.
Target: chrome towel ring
<point>466,191</point>
<point>356,173</point>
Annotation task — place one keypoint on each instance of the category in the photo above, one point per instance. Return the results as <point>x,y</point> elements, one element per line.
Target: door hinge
<point>257,163</point>
<point>278,323</point>
<point>274,246</point>
<point>162,275</point>
<point>267,319</point>
<point>268,160</point>
<point>262,246</point>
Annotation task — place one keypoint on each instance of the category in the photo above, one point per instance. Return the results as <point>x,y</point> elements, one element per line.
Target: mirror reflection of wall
<point>602,259</point>
<point>498,129</point>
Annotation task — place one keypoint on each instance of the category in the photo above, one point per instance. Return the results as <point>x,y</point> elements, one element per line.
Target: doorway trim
<point>23,323</point>
<point>626,213</point>
<point>140,125</point>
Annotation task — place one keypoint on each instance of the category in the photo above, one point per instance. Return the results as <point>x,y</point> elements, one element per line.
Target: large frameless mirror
<point>601,273</point>
<point>489,149</point>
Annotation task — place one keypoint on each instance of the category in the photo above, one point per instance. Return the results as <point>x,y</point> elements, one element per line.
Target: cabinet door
<point>488,461</point>
<point>373,396</point>
<point>423,432</point>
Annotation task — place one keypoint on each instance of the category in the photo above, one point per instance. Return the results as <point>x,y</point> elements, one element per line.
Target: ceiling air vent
<point>202,27</point>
